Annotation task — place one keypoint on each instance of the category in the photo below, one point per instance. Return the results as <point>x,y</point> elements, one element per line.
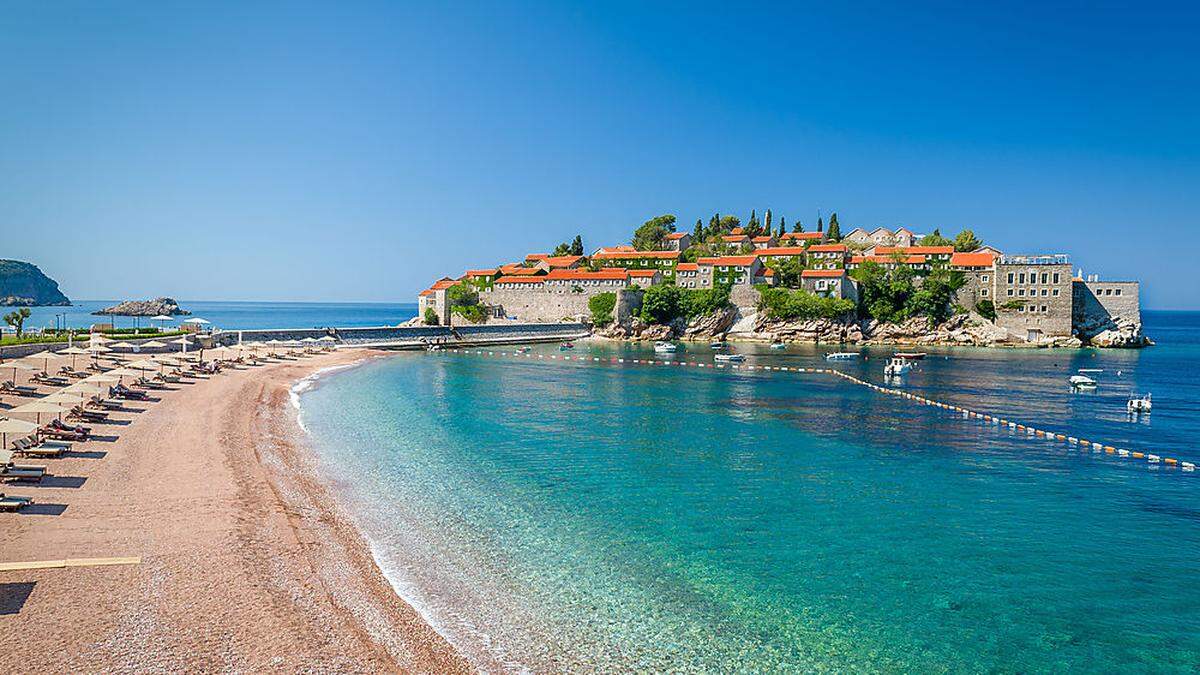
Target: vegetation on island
<point>652,234</point>
<point>664,304</point>
<point>785,303</point>
<point>431,317</point>
<point>601,306</point>
<point>575,247</point>
<point>463,300</point>
<point>22,284</point>
<point>895,295</point>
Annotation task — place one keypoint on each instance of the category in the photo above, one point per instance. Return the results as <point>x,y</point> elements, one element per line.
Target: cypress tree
<point>752,225</point>
<point>767,222</point>
<point>698,233</point>
<point>820,224</point>
<point>835,230</point>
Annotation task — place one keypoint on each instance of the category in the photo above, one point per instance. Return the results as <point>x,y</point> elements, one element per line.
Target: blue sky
<point>356,151</point>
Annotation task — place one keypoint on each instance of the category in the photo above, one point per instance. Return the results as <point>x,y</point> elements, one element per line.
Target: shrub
<point>431,317</point>
<point>781,303</point>
<point>601,307</point>
<point>1013,305</point>
<point>463,300</point>
<point>986,309</point>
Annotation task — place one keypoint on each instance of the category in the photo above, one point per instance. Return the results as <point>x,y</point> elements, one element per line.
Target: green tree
<point>753,229</point>
<point>698,233</point>
<point>797,226</point>
<point>782,228</point>
<point>660,304</point>
<point>966,241</point>
<point>787,271</point>
<point>577,245</point>
<point>431,317</point>
<point>728,223</point>
<point>649,236</point>
<point>935,238</point>
<point>820,224</point>
<point>767,222</point>
<point>16,319</point>
<point>986,309</point>
<point>601,307</point>
<point>782,303</point>
<point>463,300</point>
<point>562,249</point>
<point>835,230</point>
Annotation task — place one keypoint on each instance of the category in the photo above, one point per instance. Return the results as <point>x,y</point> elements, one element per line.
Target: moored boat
<point>1082,382</point>
<point>730,357</point>
<point>1138,404</point>
<point>914,356</point>
<point>841,356</point>
<point>566,345</point>
<point>897,366</point>
<point>666,347</point>
<point>778,345</point>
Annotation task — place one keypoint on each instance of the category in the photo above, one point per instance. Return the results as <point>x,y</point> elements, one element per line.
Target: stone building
<point>880,236</point>
<point>977,271</point>
<point>663,261</point>
<point>826,256</point>
<point>732,270</point>
<point>678,241</point>
<point>1033,296</point>
<point>434,298</point>
<point>764,241</point>
<point>1100,306</point>
<point>830,283</point>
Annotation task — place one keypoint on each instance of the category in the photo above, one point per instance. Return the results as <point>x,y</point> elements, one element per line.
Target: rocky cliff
<point>155,307</point>
<point>22,284</point>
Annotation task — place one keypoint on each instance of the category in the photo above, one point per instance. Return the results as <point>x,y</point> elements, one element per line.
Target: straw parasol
<point>154,344</point>
<point>46,357</point>
<point>39,408</point>
<point>73,352</point>
<point>11,426</point>
<point>68,397</point>
<point>17,365</point>
<point>98,349</point>
<point>98,338</point>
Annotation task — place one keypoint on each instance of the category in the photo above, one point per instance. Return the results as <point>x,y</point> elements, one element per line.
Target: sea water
<point>234,315</point>
<point>563,515</point>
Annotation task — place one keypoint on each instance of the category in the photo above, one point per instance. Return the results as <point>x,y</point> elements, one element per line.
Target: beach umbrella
<point>98,349</point>
<point>197,321</point>
<point>154,344</point>
<point>11,426</point>
<point>68,397</point>
<point>17,365</point>
<point>85,388</point>
<point>101,378</point>
<point>99,338</point>
<point>46,357</point>
<point>162,318</point>
<point>73,352</point>
<point>38,408</point>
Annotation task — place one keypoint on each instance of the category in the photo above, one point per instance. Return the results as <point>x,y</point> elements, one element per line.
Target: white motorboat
<point>778,345</point>
<point>1138,404</point>
<point>734,358</point>
<point>1082,382</point>
<point>717,345</point>
<point>841,356</point>
<point>896,367</point>
<point>666,347</point>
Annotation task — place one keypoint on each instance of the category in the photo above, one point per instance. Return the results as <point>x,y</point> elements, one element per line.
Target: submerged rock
<point>155,307</point>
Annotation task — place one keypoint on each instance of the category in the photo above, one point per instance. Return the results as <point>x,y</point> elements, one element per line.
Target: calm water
<point>561,516</point>
<point>240,315</point>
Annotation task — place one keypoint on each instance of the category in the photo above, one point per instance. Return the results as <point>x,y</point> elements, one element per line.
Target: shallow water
<point>236,315</point>
<point>620,517</point>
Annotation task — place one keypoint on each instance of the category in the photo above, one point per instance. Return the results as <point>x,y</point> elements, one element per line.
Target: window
<point>1043,292</point>
<point>983,278</point>
<point>1043,309</point>
<point>1010,292</point>
<point>983,292</point>
<point>1055,293</point>
<point>1021,292</point>
<point>1045,277</point>
<point>1056,277</point>
<point>1021,308</point>
<point>1022,277</point>
<point>1117,292</point>
<point>1010,277</point>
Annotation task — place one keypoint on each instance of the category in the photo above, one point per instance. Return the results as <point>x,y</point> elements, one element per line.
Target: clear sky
<point>356,151</point>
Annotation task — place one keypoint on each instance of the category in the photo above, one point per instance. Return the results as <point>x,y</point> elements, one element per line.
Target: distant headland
<point>765,281</point>
<point>155,307</point>
<point>22,284</point>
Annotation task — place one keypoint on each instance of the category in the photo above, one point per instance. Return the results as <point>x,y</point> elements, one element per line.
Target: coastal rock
<point>1116,332</point>
<point>155,307</point>
<point>816,331</point>
<point>712,325</point>
<point>22,284</point>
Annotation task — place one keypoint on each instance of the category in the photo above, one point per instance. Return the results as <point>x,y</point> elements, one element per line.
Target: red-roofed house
<point>730,270</point>
<point>734,242</point>
<point>764,241</point>
<point>687,275</point>
<point>918,262</point>
<point>552,262</point>
<point>827,256</point>
<point>481,279</point>
<point>678,241</point>
<point>934,254</point>
<point>663,261</point>
<point>431,302</point>
<point>619,248</point>
<point>834,283</point>
<point>978,271</point>
<point>800,238</point>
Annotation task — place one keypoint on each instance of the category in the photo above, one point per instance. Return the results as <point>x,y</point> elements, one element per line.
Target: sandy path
<point>246,564</point>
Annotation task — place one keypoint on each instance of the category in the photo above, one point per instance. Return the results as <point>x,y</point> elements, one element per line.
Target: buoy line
<point>965,413</point>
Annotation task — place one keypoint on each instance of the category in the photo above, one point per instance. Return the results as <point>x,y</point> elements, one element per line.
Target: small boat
<point>896,367</point>
<point>1091,370</point>
<point>433,348</point>
<point>666,347</point>
<point>1138,404</point>
<point>566,345</point>
<point>841,356</point>
<point>524,350</point>
<point>734,358</point>
<point>778,345</point>
<point>717,345</point>
<point>914,356</point>
<point>1082,382</point>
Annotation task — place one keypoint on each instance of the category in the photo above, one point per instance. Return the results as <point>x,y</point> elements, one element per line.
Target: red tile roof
<point>735,237</point>
<point>687,267</point>
<point>763,239</point>
<point>534,257</point>
<point>822,273</point>
<point>972,259</point>
<point>620,248</point>
<point>481,273</point>
<point>802,235</point>
<point>828,248</point>
<point>737,230</point>
<point>781,250</point>
<point>768,272</point>
<point>631,255</point>
<point>647,274</point>
<point>729,260</point>
<point>886,259</point>
<point>522,271</point>
<point>611,273</point>
<point>914,250</point>
<point>521,280</point>
<point>562,260</point>
<point>676,235</point>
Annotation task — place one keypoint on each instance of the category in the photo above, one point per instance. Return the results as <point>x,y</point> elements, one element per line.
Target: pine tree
<point>797,226</point>
<point>714,226</point>
<point>820,224</point>
<point>782,227</point>
<point>577,245</point>
<point>698,233</point>
<point>752,225</point>
<point>835,230</point>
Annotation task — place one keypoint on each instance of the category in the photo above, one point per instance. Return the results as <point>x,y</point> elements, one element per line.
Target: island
<point>22,284</point>
<point>764,281</point>
<point>155,307</point>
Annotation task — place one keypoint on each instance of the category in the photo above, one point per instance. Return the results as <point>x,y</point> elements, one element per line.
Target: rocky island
<point>155,307</point>
<point>22,284</point>
<point>765,282</point>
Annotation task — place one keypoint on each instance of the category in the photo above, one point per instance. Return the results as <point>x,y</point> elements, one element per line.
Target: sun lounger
<point>56,429</point>
<point>121,391</point>
<point>167,377</point>
<point>13,502</point>
<point>30,448</point>
<point>12,388</point>
<point>99,401</point>
<point>69,372</point>
<point>43,378</point>
<point>10,471</point>
<point>79,412</point>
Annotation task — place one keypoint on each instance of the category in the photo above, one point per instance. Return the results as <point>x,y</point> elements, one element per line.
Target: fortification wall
<point>540,306</point>
<point>1098,301</point>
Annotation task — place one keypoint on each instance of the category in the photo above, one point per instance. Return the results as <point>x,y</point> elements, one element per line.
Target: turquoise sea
<point>565,516</point>
<point>237,315</point>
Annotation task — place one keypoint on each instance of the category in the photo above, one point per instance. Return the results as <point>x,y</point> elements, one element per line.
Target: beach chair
<point>46,378</point>
<point>28,447</point>
<point>56,429</point>
<point>99,401</point>
<point>81,413</point>
<point>11,471</point>
<point>13,502</point>
<point>13,388</point>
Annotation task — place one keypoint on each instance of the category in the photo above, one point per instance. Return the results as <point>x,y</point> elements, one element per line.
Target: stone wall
<point>1044,291</point>
<point>412,335</point>
<point>541,306</point>
<point>977,287</point>
<point>1106,300</point>
<point>629,303</point>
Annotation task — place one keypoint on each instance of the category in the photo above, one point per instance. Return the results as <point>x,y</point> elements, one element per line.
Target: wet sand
<point>246,561</point>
